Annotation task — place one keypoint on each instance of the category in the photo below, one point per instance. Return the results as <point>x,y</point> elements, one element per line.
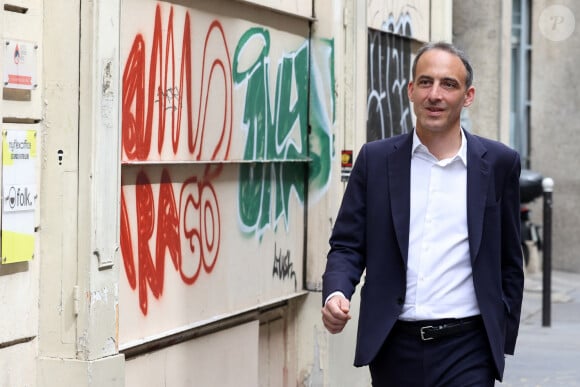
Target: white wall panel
<point>228,358</point>
<point>409,18</point>
<point>215,146</point>
<point>296,7</point>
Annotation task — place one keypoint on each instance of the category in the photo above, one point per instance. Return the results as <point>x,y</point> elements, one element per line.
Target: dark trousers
<point>453,361</point>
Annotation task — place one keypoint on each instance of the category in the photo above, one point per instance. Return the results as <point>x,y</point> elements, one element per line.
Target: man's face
<point>439,92</point>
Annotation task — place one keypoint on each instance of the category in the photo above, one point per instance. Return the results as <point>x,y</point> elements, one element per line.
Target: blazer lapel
<point>477,182</point>
<point>399,186</point>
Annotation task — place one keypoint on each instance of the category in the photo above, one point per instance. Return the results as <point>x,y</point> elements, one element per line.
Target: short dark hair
<point>450,48</point>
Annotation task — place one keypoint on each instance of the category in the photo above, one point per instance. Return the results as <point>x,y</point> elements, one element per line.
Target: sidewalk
<point>547,356</point>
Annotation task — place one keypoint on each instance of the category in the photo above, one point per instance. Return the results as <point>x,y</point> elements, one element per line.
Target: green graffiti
<point>322,117</point>
<point>277,129</point>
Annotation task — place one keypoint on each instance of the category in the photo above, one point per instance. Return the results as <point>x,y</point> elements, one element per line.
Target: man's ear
<point>469,96</point>
<point>410,91</point>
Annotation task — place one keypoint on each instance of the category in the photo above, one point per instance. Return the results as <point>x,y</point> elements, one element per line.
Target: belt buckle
<point>422,330</point>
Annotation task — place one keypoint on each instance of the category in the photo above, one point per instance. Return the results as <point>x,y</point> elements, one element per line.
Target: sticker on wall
<point>346,165</point>
<point>20,64</point>
<point>18,194</point>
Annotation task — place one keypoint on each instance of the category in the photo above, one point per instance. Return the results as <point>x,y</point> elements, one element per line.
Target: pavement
<point>547,352</point>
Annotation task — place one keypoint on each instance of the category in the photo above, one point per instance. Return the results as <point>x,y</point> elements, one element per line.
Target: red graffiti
<point>138,99</point>
<point>186,228</point>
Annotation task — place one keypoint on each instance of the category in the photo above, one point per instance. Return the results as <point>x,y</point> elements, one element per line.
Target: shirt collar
<point>461,153</point>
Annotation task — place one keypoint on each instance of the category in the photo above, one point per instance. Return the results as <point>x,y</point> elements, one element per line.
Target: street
<point>548,356</point>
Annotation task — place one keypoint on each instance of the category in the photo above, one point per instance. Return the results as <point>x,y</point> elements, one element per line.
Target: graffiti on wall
<point>283,267</point>
<point>187,230</point>
<point>402,17</point>
<point>277,133</point>
<point>165,89</point>
<point>158,86</point>
<point>171,219</point>
<point>389,69</point>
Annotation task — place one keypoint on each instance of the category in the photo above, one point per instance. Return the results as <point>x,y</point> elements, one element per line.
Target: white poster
<point>19,64</point>
<point>18,194</point>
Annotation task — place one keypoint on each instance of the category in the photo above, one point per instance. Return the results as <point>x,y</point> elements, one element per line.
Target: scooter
<point>530,190</point>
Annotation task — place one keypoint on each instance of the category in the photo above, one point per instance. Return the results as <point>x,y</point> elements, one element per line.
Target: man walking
<point>432,220</point>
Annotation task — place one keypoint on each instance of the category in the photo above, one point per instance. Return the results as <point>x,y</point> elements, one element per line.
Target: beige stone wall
<point>555,132</point>
<point>21,111</point>
<point>483,30</point>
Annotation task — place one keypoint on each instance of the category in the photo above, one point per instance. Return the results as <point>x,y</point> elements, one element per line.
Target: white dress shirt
<point>439,274</point>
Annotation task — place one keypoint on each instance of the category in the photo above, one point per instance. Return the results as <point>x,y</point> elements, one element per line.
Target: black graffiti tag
<point>283,267</point>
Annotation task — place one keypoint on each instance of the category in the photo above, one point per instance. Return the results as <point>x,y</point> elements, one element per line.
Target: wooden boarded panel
<point>302,8</point>
<point>215,149</point>
<point>401,17</point>
<point>225,358</point>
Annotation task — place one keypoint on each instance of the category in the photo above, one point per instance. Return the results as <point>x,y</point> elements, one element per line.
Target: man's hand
<point>335,314</point>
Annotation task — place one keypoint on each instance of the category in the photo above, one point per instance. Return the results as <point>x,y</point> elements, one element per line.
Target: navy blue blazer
<point>371,233</point>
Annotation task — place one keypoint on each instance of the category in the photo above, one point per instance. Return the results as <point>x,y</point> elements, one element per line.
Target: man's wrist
<point>337,293</point>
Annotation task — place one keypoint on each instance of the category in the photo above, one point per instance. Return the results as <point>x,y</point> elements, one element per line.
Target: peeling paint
<point>82,343</point>
<point>101,295</point>
<point>316,376</point>
<point>110,346</point>
<point>107,78</point>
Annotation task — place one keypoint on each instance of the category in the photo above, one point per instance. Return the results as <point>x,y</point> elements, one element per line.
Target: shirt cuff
<point>337,293</point>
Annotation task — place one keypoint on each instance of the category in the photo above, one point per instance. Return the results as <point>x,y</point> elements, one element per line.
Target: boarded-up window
<point>389,71</point>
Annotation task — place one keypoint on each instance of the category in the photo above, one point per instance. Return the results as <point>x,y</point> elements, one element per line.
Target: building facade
<point>171,172</point>
<point>524,53</point>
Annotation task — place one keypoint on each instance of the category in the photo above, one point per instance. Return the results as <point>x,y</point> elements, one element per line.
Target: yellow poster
<point>18,194</point>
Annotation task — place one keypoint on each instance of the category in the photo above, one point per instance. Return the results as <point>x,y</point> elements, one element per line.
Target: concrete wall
<point>483,30</point>
<point>21,31</point>
<point>216,139</point>
<point>212,207</point>
<point>78,302</point>
<point>198,362</point>
<point>555,127</point>
<point>485,35</point>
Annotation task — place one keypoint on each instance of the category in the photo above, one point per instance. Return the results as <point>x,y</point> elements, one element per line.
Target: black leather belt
<point>435,329</point>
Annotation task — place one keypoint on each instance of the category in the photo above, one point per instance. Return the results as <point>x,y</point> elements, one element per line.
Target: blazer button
<point>400,301</point>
